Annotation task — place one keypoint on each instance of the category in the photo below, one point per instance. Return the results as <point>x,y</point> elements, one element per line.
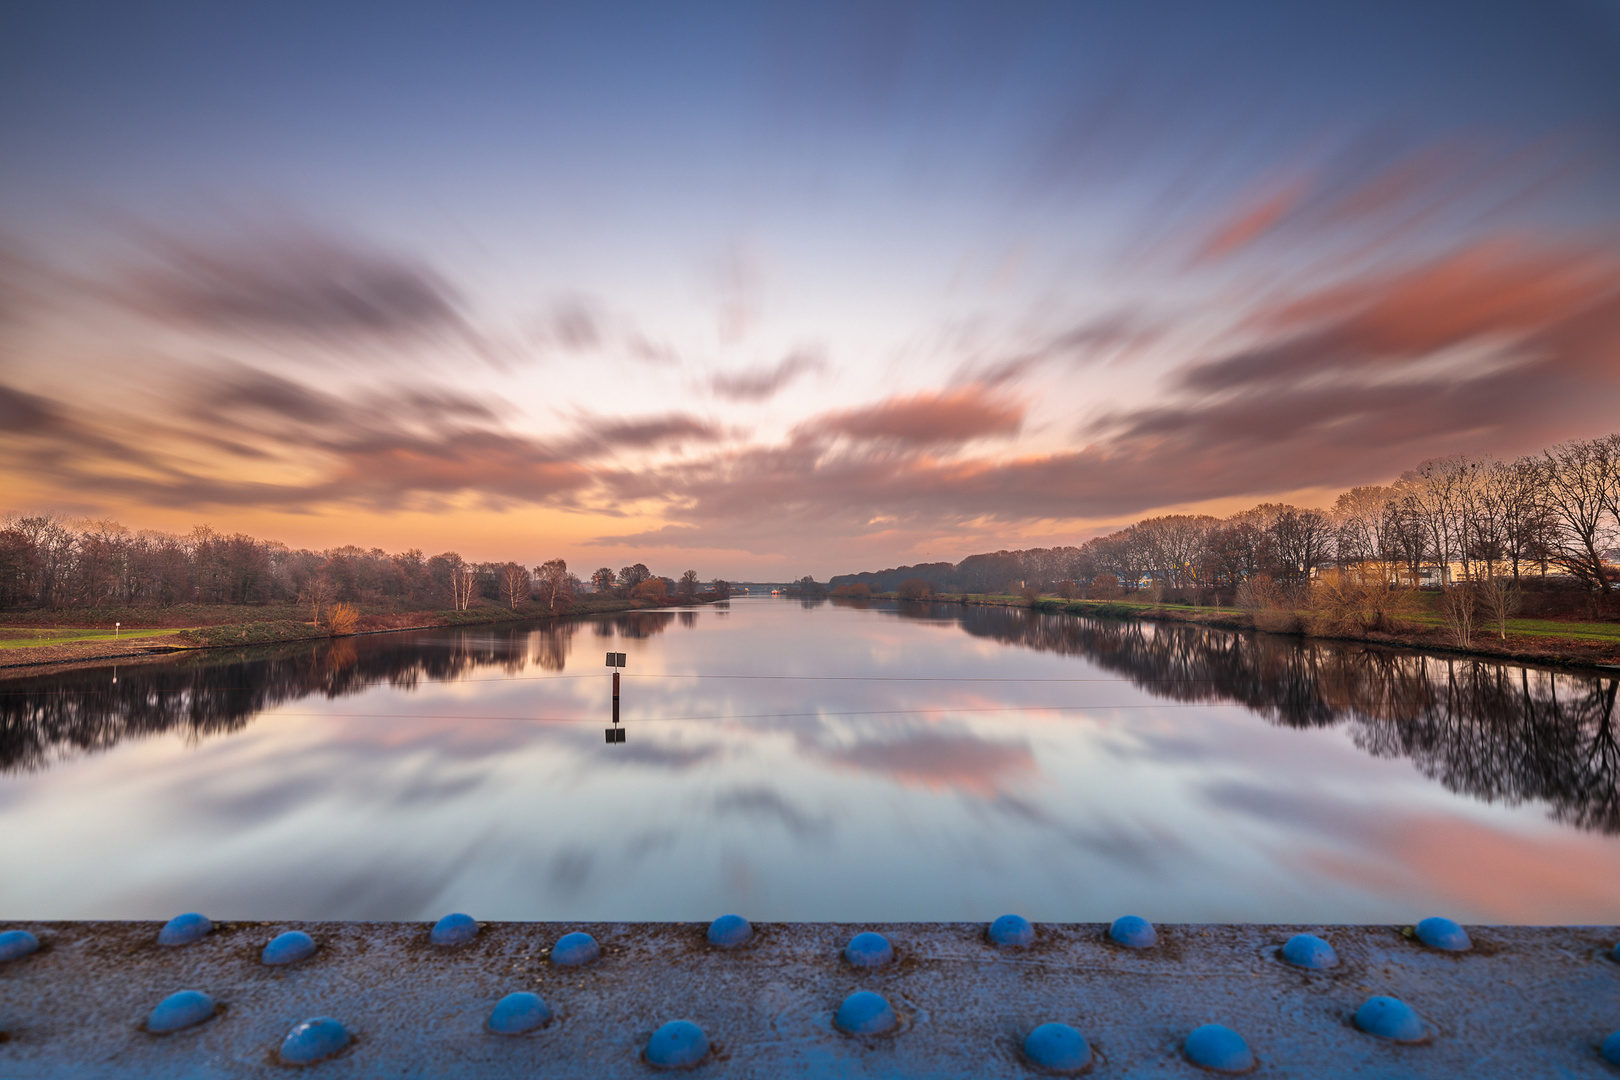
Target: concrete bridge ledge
<point>1523,1001</point>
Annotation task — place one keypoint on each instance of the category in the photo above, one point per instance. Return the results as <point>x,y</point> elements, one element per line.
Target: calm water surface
<point>825,761</point>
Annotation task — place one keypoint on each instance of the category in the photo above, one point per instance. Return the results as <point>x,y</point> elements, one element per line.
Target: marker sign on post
<point>615,734</point>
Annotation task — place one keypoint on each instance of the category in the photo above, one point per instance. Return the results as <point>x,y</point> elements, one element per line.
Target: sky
<point>768,290</point>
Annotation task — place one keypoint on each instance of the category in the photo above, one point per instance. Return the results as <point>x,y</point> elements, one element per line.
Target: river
<point>814,761</point>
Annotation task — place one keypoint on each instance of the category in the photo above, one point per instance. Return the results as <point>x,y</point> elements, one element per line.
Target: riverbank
<point>86,636</point>
<point>1537,641</point>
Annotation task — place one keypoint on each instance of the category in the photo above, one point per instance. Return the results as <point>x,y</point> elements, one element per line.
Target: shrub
<point>1356,600</point>
<point>652,589</point>
<point>342,618</point>
<point>914,589</point>
<point>853,592</point>
<point>1105,587</point>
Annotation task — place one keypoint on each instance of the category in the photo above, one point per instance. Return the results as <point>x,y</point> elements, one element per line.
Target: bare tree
<point>1444,492</point>
<point>1175,547</point>
<point>1359,516</point>
<point>514,584</point>
<point>463,580</point>
<point>1303,540</point>
<point>1458,605</point>
<point>603,580</point>
<point>1516,490</point>
<point>631,576</point>
<point>1498,598</point>
<point>1575,484</point>
<point>689,583</point>
<point>1405,535</point>
<point>318,592</point>
<point>553,584</point>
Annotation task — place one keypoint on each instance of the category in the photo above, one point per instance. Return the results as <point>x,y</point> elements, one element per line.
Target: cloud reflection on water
<point>459,766</point>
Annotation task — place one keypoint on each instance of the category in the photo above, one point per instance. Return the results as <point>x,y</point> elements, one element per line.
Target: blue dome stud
<point>314,1040</point>
<point>679,1044</point>
<point>1392,1019</point>
<point>454,929</point>
<point>1311,952</point>
<point>575,949</point>
<point>1133,932</point>
<point>517,1013</point>
<point>1443,934</point>
<point>1057,1048</point>
<point>16,944</point>
<point>1219,1049</point>
<point>288,948</point>
<point>867,949</point>
<point>729,931</point>
<point>1611,1049</point>
<point>184,929</point>
<point>865,1013</point>
<point>180,1010</point>
<point>1012,932</point>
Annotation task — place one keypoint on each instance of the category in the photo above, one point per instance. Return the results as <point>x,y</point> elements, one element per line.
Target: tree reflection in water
<point>45,717</point>
<point>1498,732</point>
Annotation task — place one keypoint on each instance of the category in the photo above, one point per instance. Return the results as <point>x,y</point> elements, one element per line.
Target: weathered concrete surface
<point>1527,1002</point>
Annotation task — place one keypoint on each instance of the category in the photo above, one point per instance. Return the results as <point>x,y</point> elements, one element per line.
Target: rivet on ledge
<point>574,949</point>
<point>184,929</point>
<point>1057,1048</point>
<point>1310,951</point>
<point>867,949</point>
<point>454,929</point>
<point>1133,932</point>
<point>180,1010</point>
<point>15,944</point>
<point>1219,1049</point>
<point>314,1040</point>
<point>1439,933</point>
<point>679,1044</point>
<point>1012,931</point>
<point>517,1013</point>
<point>730,930</point>
<point>289,948</point>
<point>865,1013</point>
<point>1392,1019</point>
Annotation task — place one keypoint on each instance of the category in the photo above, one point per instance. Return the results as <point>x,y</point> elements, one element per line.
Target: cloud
<point>953,416</point>
<point>763,383</point>
<point>1501,347</point>
<point>384,451</point>
<point>1253,221</point>
<point>576,326</point>
<point>22,412</point>
<point>649,431</point>
<point>1501,288</point>
<point>289,282</point>
<point>1119,336</point>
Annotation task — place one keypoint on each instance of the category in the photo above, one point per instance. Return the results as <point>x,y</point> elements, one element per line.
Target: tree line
<point>1450,521</point>
<point>51,562</point>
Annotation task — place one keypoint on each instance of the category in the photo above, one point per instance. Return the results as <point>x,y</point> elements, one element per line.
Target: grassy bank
<point>1534,640</point>
<point>72,636</point>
